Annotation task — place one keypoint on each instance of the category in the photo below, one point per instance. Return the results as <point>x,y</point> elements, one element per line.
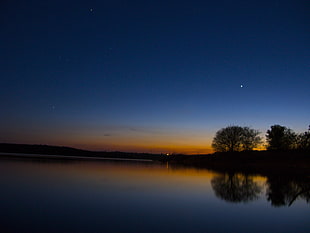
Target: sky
<point>151,76</point>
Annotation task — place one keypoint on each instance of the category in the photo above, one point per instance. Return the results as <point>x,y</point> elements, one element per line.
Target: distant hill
<point>69,151</point>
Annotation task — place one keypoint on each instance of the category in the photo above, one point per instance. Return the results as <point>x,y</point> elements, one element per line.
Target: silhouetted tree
<point>235,138</point>
<point>303,140</point>
<point>235,187</point>
<point>281,138</point>
<point>250,138</point>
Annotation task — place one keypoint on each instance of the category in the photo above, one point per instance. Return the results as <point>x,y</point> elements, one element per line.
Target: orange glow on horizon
<point>156,149</point>
<point>185,142</point>
<point>141,141</point>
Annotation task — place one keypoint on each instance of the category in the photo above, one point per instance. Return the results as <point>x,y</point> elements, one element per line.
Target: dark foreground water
<point>105,196</point>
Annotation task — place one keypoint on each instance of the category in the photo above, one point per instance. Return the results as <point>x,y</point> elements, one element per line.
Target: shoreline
<point>71,157</point>
<point>251,162</point>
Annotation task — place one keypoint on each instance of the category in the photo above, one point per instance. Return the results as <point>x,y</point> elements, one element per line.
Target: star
<point>91,9</point>
<point>241,86</point>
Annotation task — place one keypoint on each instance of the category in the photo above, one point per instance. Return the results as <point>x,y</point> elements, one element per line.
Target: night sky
<point>151,76</point>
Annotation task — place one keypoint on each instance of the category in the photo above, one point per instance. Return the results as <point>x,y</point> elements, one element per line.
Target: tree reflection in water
<point>285,191</point>
<point>234,187</point>
<point>280,190</point>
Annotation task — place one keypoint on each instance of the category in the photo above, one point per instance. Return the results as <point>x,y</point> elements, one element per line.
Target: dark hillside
<point>68,151</point>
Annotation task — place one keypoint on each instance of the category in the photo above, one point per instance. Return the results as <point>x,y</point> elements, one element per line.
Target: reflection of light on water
<point>90,190</point>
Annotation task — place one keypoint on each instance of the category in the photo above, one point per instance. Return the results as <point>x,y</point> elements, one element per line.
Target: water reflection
<point>233,187</point>
<point>279,190</point>
<point>115,196</point>
<point>284,191</point>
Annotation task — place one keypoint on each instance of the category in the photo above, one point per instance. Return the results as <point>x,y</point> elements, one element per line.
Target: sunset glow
<point>156,78</point>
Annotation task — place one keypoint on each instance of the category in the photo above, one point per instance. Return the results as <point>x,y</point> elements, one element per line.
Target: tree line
<point>278,138</point>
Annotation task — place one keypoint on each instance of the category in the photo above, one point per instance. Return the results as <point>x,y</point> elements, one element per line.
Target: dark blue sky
<point>151,75</point>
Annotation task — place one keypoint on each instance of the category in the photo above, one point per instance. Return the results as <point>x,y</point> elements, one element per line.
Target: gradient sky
<point>151,76</point>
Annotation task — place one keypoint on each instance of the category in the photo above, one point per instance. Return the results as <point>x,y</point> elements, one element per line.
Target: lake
<point>51,195</point>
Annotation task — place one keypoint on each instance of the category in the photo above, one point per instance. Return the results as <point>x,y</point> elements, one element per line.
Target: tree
<point>281,138</point>
<point>235,138</point>
<point>250,138</point>
<point>303,140</point>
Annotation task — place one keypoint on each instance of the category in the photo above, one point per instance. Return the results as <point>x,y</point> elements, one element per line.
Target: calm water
<point>106,196</point>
